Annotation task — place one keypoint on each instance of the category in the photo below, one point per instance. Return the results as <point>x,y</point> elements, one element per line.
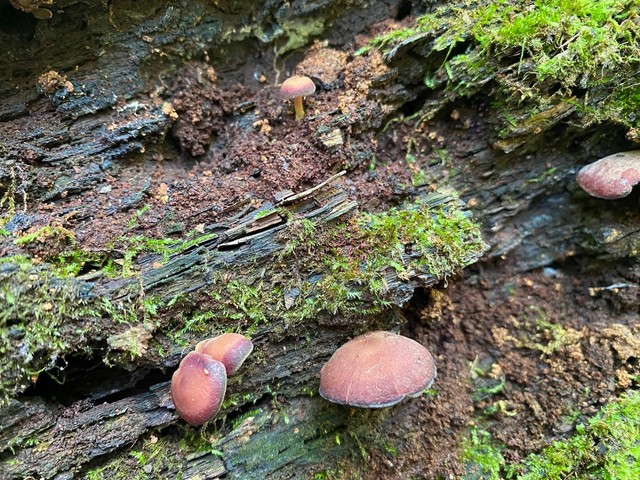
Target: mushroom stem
<point>297,105</point>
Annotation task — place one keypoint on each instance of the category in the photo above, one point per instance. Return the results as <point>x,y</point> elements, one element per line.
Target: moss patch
<point>340,268</point>
<point>605,447</point>
<point>548,59</point>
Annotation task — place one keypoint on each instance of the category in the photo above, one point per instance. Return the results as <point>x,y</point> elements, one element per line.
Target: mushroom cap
<point>198,387</point>
<point>375,370</point>
<point>611,177</point>
<point>232,349</point>
<point>297,86</point>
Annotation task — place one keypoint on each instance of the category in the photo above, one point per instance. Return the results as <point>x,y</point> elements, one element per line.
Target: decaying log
<point>131,331</point>
<point>289,351</point>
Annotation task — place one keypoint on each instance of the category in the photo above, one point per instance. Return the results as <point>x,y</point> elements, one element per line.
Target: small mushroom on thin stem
<point>297,87</point>
<point>198,387</point>
<point>232,349</point>
<point>376,370</point>
<point>611,177</point>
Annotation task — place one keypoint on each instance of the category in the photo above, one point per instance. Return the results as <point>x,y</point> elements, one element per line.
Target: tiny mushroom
<point>611,177</point>
<point>232,349</point>
<point>198,387</point>
<point>375,370</point>
<point>297,87</point>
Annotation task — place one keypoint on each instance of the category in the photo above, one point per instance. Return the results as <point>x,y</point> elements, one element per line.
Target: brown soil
<point>490,327</point>
<point>225,160</point>
<point>486,327</point>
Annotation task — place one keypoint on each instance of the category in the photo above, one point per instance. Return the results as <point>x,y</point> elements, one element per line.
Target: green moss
<point>251,413</point>
<point>547,337</point>
<point>606,447</point>
<point>237,399</point>
<point>340,268</point>
<point>35,306</point>
<point>8,198</point>
<point>546,58</point>
<point>356,258</point>
<point>45,315</point>
<point>134,221</point>
<point>152,458</point>
<point>482,458</point>
<point>134,246</point>
<point>299,32</point>
<point>44,234</point>
<point>72,262</point>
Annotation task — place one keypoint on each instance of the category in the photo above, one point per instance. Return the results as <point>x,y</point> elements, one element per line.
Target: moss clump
<point>45,234</point>
<point>34,307</point>
<point>548,59</point>
<point>482,458</point>
<point>349,266</point>
<point>343,269</point>
<point>606,447</point>
<point>44,316</point>
<point>416,241</point>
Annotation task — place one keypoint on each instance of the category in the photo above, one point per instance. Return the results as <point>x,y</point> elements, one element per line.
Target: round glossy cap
<point>198,387</point>
<point>232,349</point>
<point>375,370</point>
<point>297,86</point>
<point>611,177</point>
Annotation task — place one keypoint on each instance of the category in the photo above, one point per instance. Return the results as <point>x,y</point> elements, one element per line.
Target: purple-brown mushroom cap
<point>611,177</point>
<point>297,86</point>
<point>198,387</point>
<point>232,349</point>
<point>375,370</point>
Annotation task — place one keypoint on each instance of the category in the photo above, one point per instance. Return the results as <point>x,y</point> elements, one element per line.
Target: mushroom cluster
<point>376,370</point>
<point>199,384</point>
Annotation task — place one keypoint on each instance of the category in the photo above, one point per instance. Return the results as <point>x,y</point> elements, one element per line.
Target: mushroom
<point>297,87</point>
<point>232,349</point>
<point>198,387</point>
<point>611,177</point>
<point>375,370</point>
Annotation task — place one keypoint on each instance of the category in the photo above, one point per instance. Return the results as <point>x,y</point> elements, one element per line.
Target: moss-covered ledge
<point>543,62</point>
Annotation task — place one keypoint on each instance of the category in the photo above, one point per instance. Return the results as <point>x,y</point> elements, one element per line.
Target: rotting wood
<point>287,358</point>
<point>290,356</point>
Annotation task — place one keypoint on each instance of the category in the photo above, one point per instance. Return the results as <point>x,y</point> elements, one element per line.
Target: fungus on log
<point>611,177</point>
<point>231,349</point>
<point>198,387</point>
<point>376,370</point>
